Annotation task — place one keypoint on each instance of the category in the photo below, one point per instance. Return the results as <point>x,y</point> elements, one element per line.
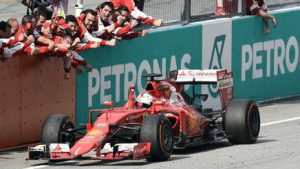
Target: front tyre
<point>157,130</point>
<point>55,130</point>
<point>242,122</point>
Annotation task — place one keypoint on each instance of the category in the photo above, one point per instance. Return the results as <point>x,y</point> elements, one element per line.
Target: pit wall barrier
<point>32,88</point>
<point>264,66</point>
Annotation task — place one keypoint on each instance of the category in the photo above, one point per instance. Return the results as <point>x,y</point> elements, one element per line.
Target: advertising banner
<point>266,66</point>
<point>216,54</point>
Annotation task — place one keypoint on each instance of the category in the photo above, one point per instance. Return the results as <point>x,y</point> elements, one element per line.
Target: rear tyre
<point>242,122</point>
<point>55,130</point>
<point>157,130</point>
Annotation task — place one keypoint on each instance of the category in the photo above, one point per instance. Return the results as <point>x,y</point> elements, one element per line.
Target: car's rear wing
<point>195,76</point>
<point>221,77</point>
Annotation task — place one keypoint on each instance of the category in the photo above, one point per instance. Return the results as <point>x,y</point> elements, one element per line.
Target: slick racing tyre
<point>157,130</point>
<point>55,130</point>
<point>242,122</point>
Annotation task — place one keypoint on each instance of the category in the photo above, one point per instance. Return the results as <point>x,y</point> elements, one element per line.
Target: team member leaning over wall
<point>136,13</point>
<point>125,31</point>
<point>259,7</point>
<point>7,47</point>
<point>104,26</point>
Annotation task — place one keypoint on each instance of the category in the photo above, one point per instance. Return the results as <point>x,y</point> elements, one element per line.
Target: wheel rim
<point>254,121</point>
<point>167,137</point>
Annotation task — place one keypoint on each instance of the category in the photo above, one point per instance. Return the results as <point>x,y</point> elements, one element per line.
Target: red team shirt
<point>135,13</point>
<point>129,3</point>
<point>253,6</point>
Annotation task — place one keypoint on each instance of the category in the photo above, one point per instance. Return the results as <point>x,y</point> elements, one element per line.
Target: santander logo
<point>182,73</point>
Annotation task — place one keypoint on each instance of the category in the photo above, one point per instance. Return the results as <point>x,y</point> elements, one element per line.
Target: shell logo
<point>85,142</point>
<point>94,132</point>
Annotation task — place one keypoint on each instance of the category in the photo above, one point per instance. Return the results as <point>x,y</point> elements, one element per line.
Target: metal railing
<point>174,11</point>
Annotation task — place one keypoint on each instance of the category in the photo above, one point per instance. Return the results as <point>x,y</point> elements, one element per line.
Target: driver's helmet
<point>144,100</point>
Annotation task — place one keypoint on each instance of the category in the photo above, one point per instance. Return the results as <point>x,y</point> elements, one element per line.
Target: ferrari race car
<point>168,115</point>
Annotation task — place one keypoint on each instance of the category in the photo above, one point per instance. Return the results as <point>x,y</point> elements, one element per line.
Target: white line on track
<point>70,161</point>
<point>280,121</point>
<point>37,167</point>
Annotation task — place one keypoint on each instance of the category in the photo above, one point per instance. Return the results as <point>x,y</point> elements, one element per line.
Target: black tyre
<point>55,130</point>
<point>157,129</point>
<point>242,122</point>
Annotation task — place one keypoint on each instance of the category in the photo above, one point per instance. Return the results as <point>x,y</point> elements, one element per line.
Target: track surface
<point>278,146</point>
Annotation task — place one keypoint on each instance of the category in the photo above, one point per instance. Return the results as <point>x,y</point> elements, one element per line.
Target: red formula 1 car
<point>151,125</point>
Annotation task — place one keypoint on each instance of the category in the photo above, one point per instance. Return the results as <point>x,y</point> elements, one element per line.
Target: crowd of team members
<point>62,37</point>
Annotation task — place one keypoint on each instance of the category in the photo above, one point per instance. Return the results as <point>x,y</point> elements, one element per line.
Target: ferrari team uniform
<point>7,51</point>
<point>28,49</point>
<point>100,29</point>
<point>85,36</point>
<point>253,6</point>
<point>125,33</point>
<point>71,58</point>
<point>134,11</point>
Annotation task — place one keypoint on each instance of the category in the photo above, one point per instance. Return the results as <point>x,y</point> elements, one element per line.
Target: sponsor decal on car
<point>59,148</point>
<point>133,117</point>
<point>94,132</point>
<point>101,124</point>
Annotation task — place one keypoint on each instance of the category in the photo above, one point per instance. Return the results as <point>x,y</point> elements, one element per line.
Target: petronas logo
<point>217,52</point>
<point>215,60</point>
